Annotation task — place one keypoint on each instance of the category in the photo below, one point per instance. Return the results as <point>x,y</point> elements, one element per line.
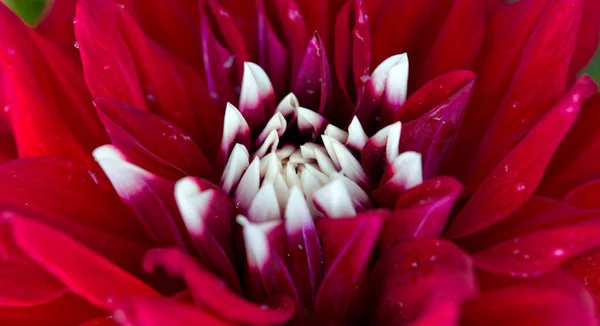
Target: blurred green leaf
<point>29,10</point>
<point>594,67</point>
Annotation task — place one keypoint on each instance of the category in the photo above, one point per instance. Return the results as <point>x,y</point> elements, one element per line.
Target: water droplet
<point>106,67</point>
<point>520,187</point>
<point>75,20</point>
<point>11,51</point>
<point>6,108</point>
<point>414,264</point>
<point>558,252</point>
<point>76,45</point>
<point>515,105</point>
<point>300,247</point>
<point>229,63</point>
<point>365,78</point>
<point>121,6</point>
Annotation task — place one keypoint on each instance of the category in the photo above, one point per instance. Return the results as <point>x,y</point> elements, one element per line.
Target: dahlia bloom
<point>277,162</point>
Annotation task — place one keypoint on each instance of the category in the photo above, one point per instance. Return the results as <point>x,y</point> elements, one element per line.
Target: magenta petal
<point>348,245</point>
<point>208,215</point>
<point>313,86</point>
<point>586,269</point>
<point>75,265</point>
<point>585,196</point>
<point>209,292</point>
<point>272,54</point>
<point>421,211</point>
<point>516,177</point>
<point>416,277</point>
<point>555,300</point>
<point>540,252</point>
<point>155,139</point>
<point>149,196</point>
<point>434,133</point>
<point>165,312</point>
<point>587,41</point>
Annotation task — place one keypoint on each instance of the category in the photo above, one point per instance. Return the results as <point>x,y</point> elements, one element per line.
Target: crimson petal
<point>165,312</point>
<point>539,252</point>
<point>63,257</point>
<point>417,277</point>
<point>208,291</point>
<point>159,144</point>
<point>433,134</point>
<point>347,247</point>
<point>313,86</point>
<point>587,41</point>
<point>516,177</point>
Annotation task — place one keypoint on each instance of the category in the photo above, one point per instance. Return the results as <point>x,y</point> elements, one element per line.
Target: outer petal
<point>587,41</point>
<point>209,292</point>
<point>67,310</point>
<point>415,278</point>
<point>63,257</point>
<point>421,211</point>
<point>58,24</point>
<point>165,312</point>
<point>554,300</point>
<point>152,142</point>
<point>534,88</point>
<point>42,83</point>
<point>516,177</point>
<point>539,252</point>
<point>347,248</point>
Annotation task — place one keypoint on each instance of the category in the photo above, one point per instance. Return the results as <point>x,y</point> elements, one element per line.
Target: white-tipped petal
<point>328,142</point>
<point>270,144</point>
<point>381,74</point>
<point>392,148</point>
<point>193,204</point>
<point>291,177</point>
<point>325,163</point>
<point>336,133</point>
<point>238,162</point>
<point>408,169</point>
<point>288,106</point>
<point>297,212</point>
<point>285,152</point>
<point>248,186</point>
<point>310,121</point>
<point>264,205</point>
<point>270,167</point>
<point>277,123</point>
<point>396,84</point>
<point>256,241</point>
<point>234,124</point>
<point>334,200</point>
<point>357,138</point>
<point>350,166</point>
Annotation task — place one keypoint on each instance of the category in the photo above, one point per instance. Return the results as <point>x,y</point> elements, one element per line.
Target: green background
<point>32,10</point>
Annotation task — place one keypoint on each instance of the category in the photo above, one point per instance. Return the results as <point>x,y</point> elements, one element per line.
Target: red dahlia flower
<point>272,162</point>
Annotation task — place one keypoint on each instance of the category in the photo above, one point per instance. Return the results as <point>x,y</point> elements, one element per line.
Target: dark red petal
<point>272,54</point>
<point>49,105</point>
<point>348,245</point>
<point>67,310</point>
<point>577,160</point>
<point>150,197</point>
<point>75,265</point>
<point>433,93</point>
<point>434,133</point>
<point>395,26</point>
<point>557,301</point>
<point>510,29</point>
<point>417,277</point>
<point>517,176</point>
<point>586,269</point>
<point>57,26</point>
<point>209,292</point>
<point>534,88</point>
<point>313,86</point>
<point>102,321</point>
<point>165,312</point>
<point>539,252</point>
<point>538,213</point>
<point>223,52</point>
<point>174,27</point>
<point>157,142</point>
<point>587,41</point>
<point>459,40</point>
<point>421,211</point>
<point>585,196</point>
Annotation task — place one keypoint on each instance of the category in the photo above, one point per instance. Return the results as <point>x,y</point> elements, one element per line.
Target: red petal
<point>534,89</point>
<point>49,105</point>
<point>67,310</point>
<point>348,244</point>
<point>272,55</point>
<point>586,269</point>
<point>57,26</point>
<point>223,52</point>
<point>102,321</point>
<point>434,133</point>
<point>313,86</point>
<point>516,177</point>
<point>157,143</point>
<point>577,160</point>
<point>539,252</point>
<point>556,301</point>
<point>433,94</point>
<point>459,40</point>
<point>209,292</point>
<point>149,196</point>
<point>76,266</point>
<point>165,312</point>
<point>587,41</point>
<point>421,211</point>
<point>417,277</point>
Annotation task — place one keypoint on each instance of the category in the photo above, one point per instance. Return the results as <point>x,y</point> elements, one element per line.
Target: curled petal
<point>380,151</point>
<point>257,98</point>
<point>208,291</point>
<point>313,85</point>
<point>402,174</point>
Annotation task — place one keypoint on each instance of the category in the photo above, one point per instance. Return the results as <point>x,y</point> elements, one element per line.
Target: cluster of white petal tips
<point>323,179</point>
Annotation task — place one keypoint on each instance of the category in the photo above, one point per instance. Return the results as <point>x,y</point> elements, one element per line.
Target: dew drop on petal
<point>106,67</point>
<point>520,187</point>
